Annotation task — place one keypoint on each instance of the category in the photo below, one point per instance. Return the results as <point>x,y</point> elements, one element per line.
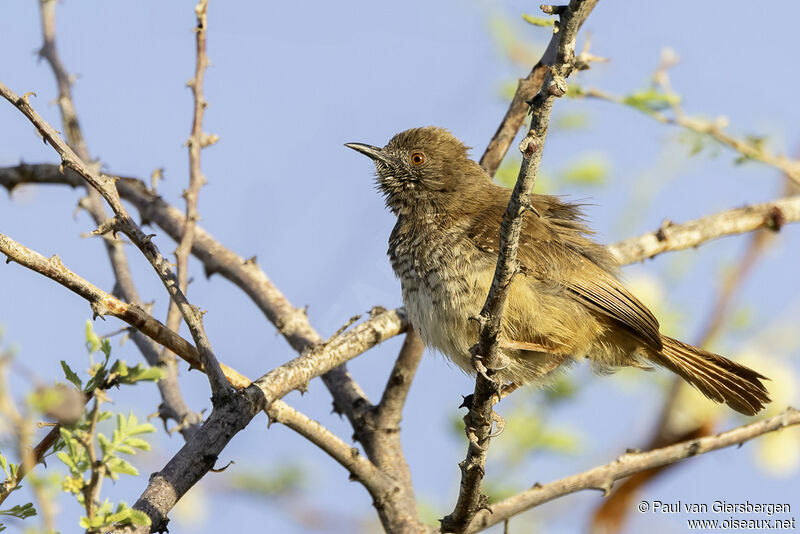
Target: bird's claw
<point>499,423</point>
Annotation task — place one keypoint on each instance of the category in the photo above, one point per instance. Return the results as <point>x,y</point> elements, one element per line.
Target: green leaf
<point>105,445</point>
<point>105,346</point>
<point>4,464</point>
<point>69,441</point>
<point>141,372</point>
<point>23,511</point>
<point>651,100</point>
<point>71,376</point>
<point>538,21</point>
<point>69,461</point>
<point>118,465</point>
<point>138,443</point>
<point>124,449</point>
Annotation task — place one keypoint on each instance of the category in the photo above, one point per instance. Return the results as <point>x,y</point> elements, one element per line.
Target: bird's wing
<point>554,248</point>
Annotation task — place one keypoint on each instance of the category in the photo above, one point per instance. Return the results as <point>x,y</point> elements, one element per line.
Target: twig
<point>527,88</point>
<point>124,223</point>
<point>771,215</point>
<point>479,419</point>
<point>196,142</point>
<point>103,303</point>
<point>91,491</point>
<point>715,130</point>
<point>604,476</point>
<point>173,405</point>
<point>390,409</point>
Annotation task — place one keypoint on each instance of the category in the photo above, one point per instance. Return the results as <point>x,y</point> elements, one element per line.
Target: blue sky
<point>289,84</point>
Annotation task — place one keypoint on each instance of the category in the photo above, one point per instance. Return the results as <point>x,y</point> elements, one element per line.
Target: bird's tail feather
<point>716,377</point>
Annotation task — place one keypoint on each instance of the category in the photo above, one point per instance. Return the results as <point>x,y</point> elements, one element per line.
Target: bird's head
<point>422,169</point>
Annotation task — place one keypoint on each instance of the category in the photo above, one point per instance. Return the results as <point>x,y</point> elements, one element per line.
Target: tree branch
<point>771,215</point>
<point>479,419</point>
<point>124,223</point>
<point>527,88</point>
<point>603,477</point>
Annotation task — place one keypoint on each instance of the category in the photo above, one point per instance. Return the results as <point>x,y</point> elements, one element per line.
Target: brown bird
<point>566,304</point>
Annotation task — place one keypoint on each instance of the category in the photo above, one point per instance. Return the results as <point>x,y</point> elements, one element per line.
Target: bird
<point>566,303</point>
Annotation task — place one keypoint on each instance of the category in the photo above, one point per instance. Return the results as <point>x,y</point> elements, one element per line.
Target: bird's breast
<point>444,282</point>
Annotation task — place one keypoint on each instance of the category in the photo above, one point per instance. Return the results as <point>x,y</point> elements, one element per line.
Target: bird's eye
<point>417,158</point>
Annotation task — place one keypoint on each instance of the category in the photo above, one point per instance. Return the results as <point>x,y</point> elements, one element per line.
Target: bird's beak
<point>373,152</point>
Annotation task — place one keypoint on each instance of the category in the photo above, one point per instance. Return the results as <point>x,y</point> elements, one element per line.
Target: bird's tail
<point>716,377</point>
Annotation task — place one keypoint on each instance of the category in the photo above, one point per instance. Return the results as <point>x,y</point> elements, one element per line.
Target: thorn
<point>221,469</point>
<point>375,311</point>
<point>26,96</point>
<point>98,310</point>
<point>529,207</point>
<point>660,233</point>
<point>775,219</point>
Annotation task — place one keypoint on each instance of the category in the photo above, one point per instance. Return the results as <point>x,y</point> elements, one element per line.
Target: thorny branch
<point>604,476</point>
<point>196,142</point>
<point>479,419</point>
<point>173,405</point>
<point>122,222</point>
